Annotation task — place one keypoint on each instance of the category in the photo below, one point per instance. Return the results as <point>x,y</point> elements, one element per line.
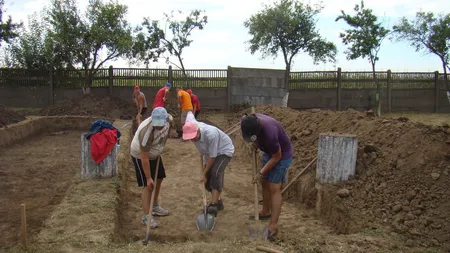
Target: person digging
<point>141,104</point>
<point>147,145</point>
<point>217,149</point>
<point>269,136</point>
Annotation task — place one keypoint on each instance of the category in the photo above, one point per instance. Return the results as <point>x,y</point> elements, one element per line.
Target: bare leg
<point>145,197</point>
<point>275,191</point>
<point>266,197</point>
<point>215,194</point>
<point>158,187</point>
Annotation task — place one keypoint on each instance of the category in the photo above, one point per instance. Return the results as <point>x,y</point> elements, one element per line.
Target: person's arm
<point>195,107</point>
<point>146,167</point>
<point>274,149</point>
<point>141,104</point>
<point>179,99</point>
<point>212,145</point>
<point>133,97</point>
<point>166,95</point>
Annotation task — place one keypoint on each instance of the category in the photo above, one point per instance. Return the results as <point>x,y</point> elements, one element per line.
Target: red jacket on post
<point>102,143</point>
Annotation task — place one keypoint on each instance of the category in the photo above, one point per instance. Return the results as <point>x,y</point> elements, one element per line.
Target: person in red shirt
<point>162,95</point>
<point>195,103</point>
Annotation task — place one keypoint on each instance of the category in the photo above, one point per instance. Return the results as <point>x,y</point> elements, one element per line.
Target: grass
<point>435,119</point>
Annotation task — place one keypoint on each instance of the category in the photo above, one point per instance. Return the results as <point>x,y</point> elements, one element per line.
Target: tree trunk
<point>89,169</point>
<point>377,95</point>
<point>336,160</point>
<point>286,85</point>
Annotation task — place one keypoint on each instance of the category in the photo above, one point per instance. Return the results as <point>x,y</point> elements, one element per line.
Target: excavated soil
<point>402,177</point>
<point>91,105</point>
<point>8,116</point>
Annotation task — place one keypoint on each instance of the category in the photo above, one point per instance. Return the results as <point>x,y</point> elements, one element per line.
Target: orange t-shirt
<point>186,103</point>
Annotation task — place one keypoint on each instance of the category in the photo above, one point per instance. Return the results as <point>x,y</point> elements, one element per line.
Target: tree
<point>33,49</point>
<point>365,40</point>
<point>82,41</point>
<point>8,29</point>
<point>290,27</point>
<point>181,31</point>
<point>430,33</point>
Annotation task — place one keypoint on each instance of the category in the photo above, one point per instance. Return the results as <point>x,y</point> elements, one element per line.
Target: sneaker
<point>153,223</point>
<point>159,211</point>
<point>220,206</point>
<point>212,209</point>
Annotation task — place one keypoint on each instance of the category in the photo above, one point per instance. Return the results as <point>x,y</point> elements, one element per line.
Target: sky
<point>223,41</point>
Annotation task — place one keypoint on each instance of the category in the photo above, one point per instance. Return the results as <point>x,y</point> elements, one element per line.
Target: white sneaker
<point>159,211</point>
<point>153,223</point>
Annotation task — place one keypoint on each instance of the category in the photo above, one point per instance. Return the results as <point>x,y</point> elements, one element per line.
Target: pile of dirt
<point>8,116</point>
<point>91,105</point>
<point>402,176</point>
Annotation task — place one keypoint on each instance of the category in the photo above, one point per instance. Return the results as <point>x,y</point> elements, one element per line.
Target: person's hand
<point>150,184</point>
<point>204,179</point>
<point>257,178</point>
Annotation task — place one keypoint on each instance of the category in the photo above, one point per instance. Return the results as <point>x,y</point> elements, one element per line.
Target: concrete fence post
<point>436,91</point>
<point>170,75</point>
<point>229,85</point>
<point>389,90</point>
<point>51,86</point>
<point>110,80</point>
<point>339,89</point>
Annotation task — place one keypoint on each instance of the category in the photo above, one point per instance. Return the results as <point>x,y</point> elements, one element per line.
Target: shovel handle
<point>255,185</point>
<point>202,170</point>
<point>152,199</point>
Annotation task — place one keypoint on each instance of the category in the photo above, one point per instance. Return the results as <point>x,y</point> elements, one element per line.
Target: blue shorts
<point>278,173</point>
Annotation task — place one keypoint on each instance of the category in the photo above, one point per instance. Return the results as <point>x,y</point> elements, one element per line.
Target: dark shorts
<point>278,173</point>
<point>215,175</point>
<point>140,175</point>
<point>196,113</point>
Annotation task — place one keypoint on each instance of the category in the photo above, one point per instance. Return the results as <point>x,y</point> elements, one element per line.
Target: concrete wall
<point>256,86</point>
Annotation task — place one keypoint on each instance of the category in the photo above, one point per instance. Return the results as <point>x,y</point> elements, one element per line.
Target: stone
<point>414,231</point>
<point>435,176</point>
<point>409,243</point>
<point>397,208</point>
<point>410,195</point>
<point>343,193</point>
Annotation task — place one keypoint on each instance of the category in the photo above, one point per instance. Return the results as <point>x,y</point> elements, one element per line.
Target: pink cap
<point>136,87</point>
<point>189,130</point>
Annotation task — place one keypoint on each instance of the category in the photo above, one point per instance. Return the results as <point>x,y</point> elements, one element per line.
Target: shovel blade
<point>205,222</point>
<point>258,231</point>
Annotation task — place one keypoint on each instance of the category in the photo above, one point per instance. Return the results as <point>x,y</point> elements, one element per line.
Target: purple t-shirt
<point>272,137</point>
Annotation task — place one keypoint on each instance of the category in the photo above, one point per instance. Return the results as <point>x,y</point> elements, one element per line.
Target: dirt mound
<point>402,172</point>
<point>91,105</point>
<point>8,116</point>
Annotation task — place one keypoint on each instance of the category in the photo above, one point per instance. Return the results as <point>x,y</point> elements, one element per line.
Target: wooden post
<point>51,86</point>
<point>170,75</point>
<point>110,80</point>
<point>23,216</point>
<point>89,169</point>
<point>436,91</point>
<point>339,90</point>
<point>336,157</point>
<point>229,92</point>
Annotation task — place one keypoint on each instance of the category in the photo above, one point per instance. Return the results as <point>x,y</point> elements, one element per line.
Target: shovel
<point>150,215</point>
<point>205,221</point>
<point>257,230</point>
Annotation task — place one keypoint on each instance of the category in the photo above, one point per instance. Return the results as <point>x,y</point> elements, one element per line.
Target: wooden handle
<point>269,250</point>
<point>202,170</point>
<point>23,215</point>
<point>255,185</point>
<point>152,199</point>
<point>299,174</point>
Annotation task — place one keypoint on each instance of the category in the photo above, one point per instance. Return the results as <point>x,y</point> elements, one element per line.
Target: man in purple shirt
<point>269,136</point>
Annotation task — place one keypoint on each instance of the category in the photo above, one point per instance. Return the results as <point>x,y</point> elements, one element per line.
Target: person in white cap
<point>218,149</point>
<point>146,147</point>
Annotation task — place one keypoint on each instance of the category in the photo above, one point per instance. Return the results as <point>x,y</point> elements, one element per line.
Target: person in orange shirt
<point>185,104</point>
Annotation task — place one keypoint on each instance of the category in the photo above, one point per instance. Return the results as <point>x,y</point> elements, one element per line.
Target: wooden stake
<point>266,249</point>
<point>23,215</point>
<point>298,175</point>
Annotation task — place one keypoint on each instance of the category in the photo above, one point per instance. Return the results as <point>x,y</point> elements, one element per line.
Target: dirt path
<point>181,195</point>
<point>37,173</point>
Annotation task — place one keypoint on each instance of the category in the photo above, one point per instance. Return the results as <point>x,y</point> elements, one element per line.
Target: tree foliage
<point>288,26</point>
<point>364,38</point>
<point>8,29</point>
<point>428,32</point>
<point>157,41</point>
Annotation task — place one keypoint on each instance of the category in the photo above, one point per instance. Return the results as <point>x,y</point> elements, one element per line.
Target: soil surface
<point>36,173</point>
<point>8,116</point>
<point>300,230</point>
<point>402,174</point>
<point>91,105</point>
